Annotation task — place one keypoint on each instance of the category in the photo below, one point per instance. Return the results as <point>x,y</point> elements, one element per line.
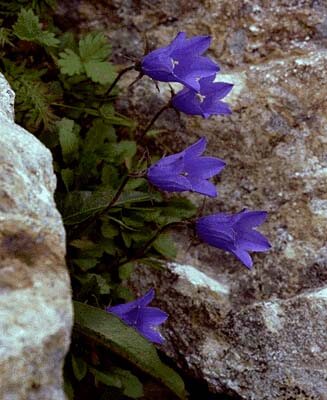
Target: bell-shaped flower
<point>139,316</point>
<point>186,171</point>
<point>206,101</point>
<point>234,233</point>
<point>181,61</point>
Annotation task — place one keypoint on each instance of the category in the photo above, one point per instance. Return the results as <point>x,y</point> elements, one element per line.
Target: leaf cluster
<point>61,85</point>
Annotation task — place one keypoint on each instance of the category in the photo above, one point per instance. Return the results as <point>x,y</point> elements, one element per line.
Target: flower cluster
<point>182,61</point>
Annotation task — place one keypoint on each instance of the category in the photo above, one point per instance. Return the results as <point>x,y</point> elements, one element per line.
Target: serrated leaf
<point>108,230</point>
<point>165,245</point>
<point>108,330</point>
<point>70,63</point>
<point>94,47</point>
<point>69,140</point>
<point>100,71</point>
<point>126,270</point>
<point>28,28</point>
<point>79,367</point>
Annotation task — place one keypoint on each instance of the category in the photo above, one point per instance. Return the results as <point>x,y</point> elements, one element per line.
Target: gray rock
<point>35,297</point>
<point>262,338</point>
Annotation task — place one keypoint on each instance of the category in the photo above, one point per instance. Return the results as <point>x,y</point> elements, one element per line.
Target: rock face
<point>261,334</point>
<point>35,298</point>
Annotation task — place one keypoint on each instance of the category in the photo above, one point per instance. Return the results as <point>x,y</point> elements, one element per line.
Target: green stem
<point>120,74</point>
<point>141,252</point>
<point>155,117</point>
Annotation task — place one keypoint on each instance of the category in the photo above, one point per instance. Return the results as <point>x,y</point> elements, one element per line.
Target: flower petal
<point>151,334</point>
<point>243,256</point>
<point>174,183</point>
<point>249,219</point>
<point>212,106</point>
<point>203,167</point>
<point>189,71</point>
<point>252,241</point>
<point>152,316</point>
<point>218,89</point>
<point>192,47</point>
<point>195,150</point>
<point>203,186</point>
<point>187,102</point>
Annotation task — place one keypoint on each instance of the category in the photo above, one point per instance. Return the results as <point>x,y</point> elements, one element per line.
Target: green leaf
<point>79,367</point>
<point>108,230</point>
<point>69,140</point>
<point>70,63</point>
<point>132,386</point>
<point>100,71</point>
<point>28,27</point>
<point>78,206</point>
<point>94,47</point>
<point>126,342</point>
<point>107,378</point>
<point>86,263</point>
<point>126,270</point>
<point>67,176</point>
<point>165,245</point>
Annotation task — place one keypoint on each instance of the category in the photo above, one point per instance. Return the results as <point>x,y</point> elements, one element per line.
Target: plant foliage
<point>61,84</point>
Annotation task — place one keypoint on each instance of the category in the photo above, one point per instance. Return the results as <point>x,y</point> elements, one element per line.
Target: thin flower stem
<point>116,196</point>
<point>85,224</point>
<point>139,254</point>
<point>120,74</point>
<point>155,117</point>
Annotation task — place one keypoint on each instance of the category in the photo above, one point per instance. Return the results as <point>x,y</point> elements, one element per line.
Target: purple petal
<point>249,219</point>
<point>215,233</point>
<point>151,334</point>
<point>146,299</point>
<point>177,183</point>
<point>158,66</point>
<point>192,47</point>
<point>187,102</point>
<point>203,186</point>
<point>195,150</point>
<point>212,106</point>
<point>243,256</point>
<point>218,89</point>
<point>168,160</point>
<point>189,71</point>
<point>177,43</point>
<point>204,167</point>
<point>121,309</point>
<point>252,241</point>
<point>152,316</point>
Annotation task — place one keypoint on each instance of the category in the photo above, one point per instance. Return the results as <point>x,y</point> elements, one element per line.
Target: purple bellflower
<point>234,233</point>
<point>140,317</point>
<point>181,61</point>
<point>206,101</point>
<point>186,171</point>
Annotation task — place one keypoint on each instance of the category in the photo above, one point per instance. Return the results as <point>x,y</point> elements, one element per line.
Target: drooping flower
<point>234,233</point>
<point>186,171</point>
<point>181,61</point>
<point>139,316</point>
<point>206,101</point>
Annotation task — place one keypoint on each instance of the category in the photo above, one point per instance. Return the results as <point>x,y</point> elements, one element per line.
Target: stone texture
<point>263,338</point>
<point>35,298</point>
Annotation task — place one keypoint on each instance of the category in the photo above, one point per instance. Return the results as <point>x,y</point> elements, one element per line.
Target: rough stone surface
<point>264,338</point>
<point>35,298</point>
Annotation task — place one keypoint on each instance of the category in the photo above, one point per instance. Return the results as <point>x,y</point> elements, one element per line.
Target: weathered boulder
<point>35,298</point>
<point>262,337</point>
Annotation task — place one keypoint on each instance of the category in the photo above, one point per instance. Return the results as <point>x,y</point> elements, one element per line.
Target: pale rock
<point>35,295</point>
